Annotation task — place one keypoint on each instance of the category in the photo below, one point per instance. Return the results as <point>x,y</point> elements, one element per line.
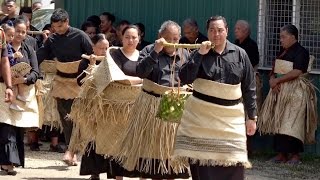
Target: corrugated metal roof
<point>153,12</point>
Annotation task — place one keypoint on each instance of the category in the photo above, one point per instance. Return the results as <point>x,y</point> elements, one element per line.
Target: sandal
<point>294,161</point>
<point>277,160</point>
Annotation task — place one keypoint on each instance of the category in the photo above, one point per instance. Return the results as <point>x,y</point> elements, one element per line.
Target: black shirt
<point>157,67</point>
<point>199,39</point>
<point>231,67</point>
<point>127,66</point>
<point>143,44</point>
<point>251,48</point>
<point>29,56</point>
<point>296,54</point>
<point>6,19</point>
<point>67,47</point>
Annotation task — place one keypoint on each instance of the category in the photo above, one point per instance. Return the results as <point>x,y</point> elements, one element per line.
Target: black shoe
<point>34,147</point>
<point>9,172</point>
<point>94,177</point>
<point>57,148</point>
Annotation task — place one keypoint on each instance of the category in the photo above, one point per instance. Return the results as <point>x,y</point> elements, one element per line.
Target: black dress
<point>11,145</point>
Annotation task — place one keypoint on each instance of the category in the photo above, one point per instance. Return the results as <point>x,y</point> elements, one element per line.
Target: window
<point>273,14</point>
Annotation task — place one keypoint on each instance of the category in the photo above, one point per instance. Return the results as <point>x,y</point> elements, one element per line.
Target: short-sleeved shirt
<point>296,54</point>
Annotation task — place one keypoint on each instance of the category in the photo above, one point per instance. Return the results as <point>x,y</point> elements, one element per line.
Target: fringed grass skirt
<point>147,143</point>
<point>292,112</point>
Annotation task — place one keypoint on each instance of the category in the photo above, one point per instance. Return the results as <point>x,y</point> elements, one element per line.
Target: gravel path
<point>47,165</point>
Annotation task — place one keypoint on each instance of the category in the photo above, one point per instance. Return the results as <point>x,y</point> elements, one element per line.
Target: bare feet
<point>70,159</point>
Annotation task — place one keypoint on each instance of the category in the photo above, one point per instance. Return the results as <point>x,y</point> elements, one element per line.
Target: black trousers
<point>216,172</point>
<point>64,108</point>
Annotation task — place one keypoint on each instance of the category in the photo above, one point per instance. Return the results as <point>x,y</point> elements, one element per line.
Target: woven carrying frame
<point>98,115</point>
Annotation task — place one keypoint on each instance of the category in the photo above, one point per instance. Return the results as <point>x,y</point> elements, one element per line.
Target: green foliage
<point>171,106</point>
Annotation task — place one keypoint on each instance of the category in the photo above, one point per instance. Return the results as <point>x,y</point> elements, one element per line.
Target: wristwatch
<point>25,80</point>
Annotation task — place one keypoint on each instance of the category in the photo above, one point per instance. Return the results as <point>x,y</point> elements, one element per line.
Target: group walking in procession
<point>185,106</point>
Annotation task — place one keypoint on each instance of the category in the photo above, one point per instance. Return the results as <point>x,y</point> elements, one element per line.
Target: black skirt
<point>216,172</point>
<point>11,145</point>
<point>287,144</point>
<point>116,169</point>
<point>92,163</point>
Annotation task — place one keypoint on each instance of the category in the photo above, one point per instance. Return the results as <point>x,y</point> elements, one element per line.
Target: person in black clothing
<point>191,33</point>
<point>287,111</point>
<point>67,45</point>
<point>10,8</point>
<point>212,132</point>
<point>155,66</point>
<point>91,163</point>
<point>242,34</point>
<point>12,146</point>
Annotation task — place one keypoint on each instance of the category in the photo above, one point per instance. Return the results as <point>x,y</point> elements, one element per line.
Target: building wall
<point>153,12</point>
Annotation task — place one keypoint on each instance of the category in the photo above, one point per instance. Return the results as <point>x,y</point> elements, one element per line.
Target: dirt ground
<point>47,165</point>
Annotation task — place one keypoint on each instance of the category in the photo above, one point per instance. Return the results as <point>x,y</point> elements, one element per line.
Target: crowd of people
<point>101,86</point>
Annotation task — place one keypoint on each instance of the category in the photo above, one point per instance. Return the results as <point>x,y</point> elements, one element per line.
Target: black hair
<point>122,22</point>
<point>20,20</point>
<point>47,27</point>
<point>94,19</point>
<point>131,26</point>
<point>97,38</point>
<point>27,10</point>
<point>110,16</point>
<point>7,26</point>
<point>291,29</point>
<point>8,1</point>
<point>216,18</point>
<point>87,24</point>
<point>59,15</point>
<point>141,27</point>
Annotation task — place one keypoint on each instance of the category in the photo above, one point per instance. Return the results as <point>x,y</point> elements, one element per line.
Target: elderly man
<point>212,133</point>
<point>242,34</point>
<point>191,32</point>
<point>153,138</point>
